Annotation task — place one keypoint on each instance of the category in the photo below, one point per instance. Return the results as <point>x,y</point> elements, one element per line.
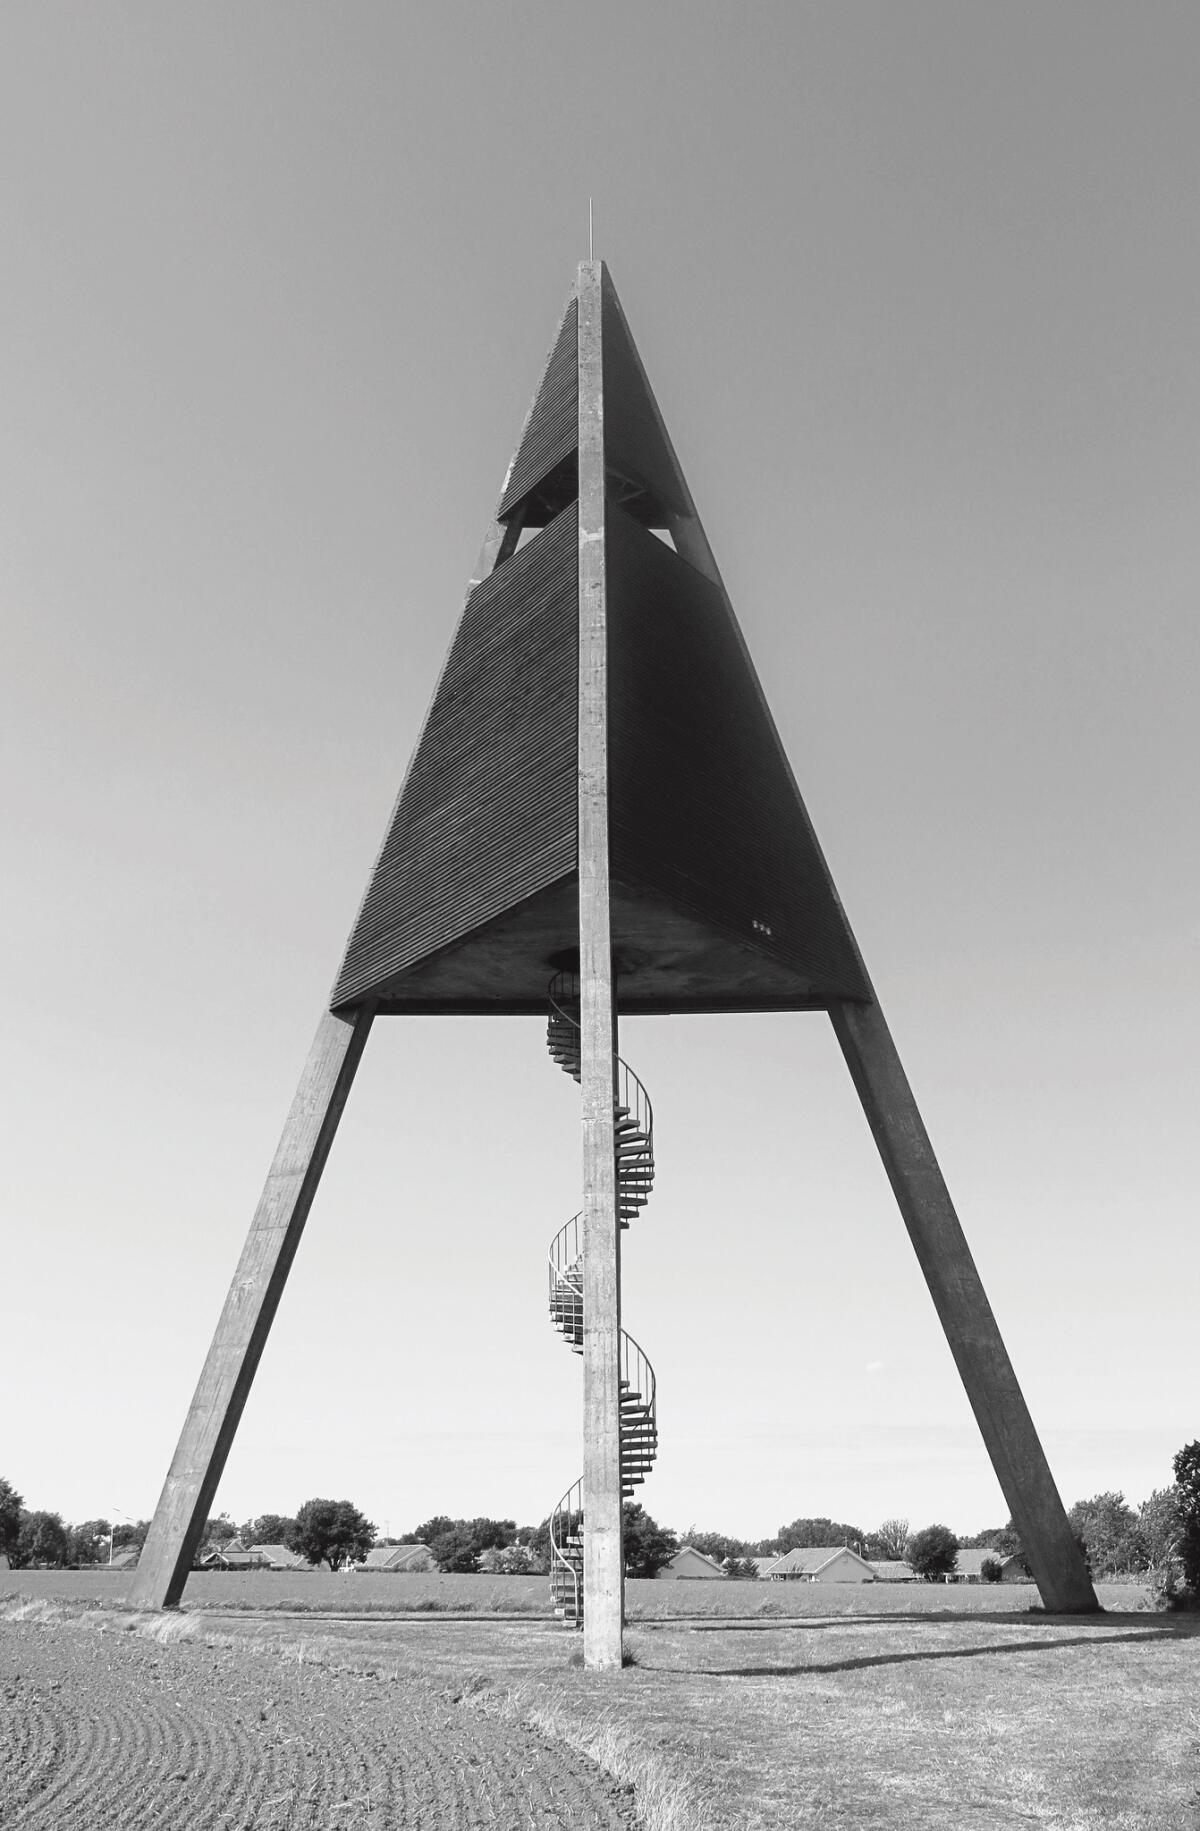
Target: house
<point>278,1557</point>
<point>397,1558</point>
<point>969,1566</point>
<point>820,1564</point>
<point>1014,1569</point>
<point>893,1570</point>
<point>122,1560</point>
<point>763,1564</point>
<point>232,1555</point>
<point>688,1562</point>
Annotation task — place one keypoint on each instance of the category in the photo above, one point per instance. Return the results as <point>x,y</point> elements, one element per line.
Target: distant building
<point>232,1556</point>
<point>893,1570</point>
<point>402,1558</point>
<point>688,1562</point>
<point>820,1564</point>
<point>278,1557</point>
<point>969,1566</point>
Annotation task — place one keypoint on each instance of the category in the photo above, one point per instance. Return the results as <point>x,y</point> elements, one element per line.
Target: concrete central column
<point>603,1560</point>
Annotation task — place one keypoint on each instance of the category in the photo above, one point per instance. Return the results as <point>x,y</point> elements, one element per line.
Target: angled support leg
<point>250,1307</point>
<point>963,1309</point>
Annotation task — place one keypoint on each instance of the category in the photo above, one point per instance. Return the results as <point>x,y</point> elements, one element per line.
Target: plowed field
<point>102,1727</point>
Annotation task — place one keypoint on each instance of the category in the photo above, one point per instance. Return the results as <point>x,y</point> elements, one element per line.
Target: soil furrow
<point>105,1730</point>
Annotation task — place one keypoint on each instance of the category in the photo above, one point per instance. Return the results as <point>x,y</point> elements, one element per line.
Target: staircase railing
<point>566,1563</point>
<point>633,1125</point>
<point>566,1282</point>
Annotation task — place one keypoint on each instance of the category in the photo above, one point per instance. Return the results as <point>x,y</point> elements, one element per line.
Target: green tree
<point>1108,1527</point>
<point>459,1544</point>
<point>889,1539</point>
<point>716,1545</point>
<point>331,1532</point>
<point>131,1536</point>
<point>458,1550</point>
<point>933,1552</point>
<point>1003,1540</point>
<point>539,1544</point>
<point>11,1509</point>
<point>88,1542</point>
<point>509,1561</point>
<point>431,1529</point>
<point>740,1569</point>
<point>648,1546</point>
<point>267,1529</point>
<point>1160,1525</point>
<point>41,1540</point>
<point>1187,1489</point>
<point>805,1532</point>
<point>218,1530</point>
<point>991,1570</point>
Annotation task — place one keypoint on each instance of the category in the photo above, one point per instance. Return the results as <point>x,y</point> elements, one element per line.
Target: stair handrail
<point>562,993</point>
<point>637,1373</point>
<point>634,1119</point>
<point>570,1509</point>
<point>566,1252</point>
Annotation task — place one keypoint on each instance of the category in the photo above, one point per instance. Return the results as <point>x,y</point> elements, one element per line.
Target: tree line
<point>1159,1541</point>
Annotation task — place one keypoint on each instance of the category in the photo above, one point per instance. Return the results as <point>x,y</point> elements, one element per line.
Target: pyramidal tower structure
<point>599,819</point>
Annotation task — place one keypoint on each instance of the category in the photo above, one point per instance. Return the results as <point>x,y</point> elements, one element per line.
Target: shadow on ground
<point>1129,1629</point>
<point>1178,1626</point>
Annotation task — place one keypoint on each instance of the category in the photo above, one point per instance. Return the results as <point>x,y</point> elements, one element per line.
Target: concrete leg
<point>250,1307</point>
<point>963,1309</point>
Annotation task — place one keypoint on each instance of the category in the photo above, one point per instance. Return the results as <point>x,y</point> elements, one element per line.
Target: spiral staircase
<point>633,1124</point>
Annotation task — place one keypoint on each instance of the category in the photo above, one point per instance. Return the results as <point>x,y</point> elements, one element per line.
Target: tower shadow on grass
<point>1146,1636</point>
<point>1169,1625</point>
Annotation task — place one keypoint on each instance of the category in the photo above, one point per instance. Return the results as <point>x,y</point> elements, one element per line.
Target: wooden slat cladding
<point>552,430</point>
<point>702,809</point>
<point>633,440</point>
<point>488,814</point>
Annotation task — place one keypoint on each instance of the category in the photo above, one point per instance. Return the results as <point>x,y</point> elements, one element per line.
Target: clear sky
<point>918,287</point>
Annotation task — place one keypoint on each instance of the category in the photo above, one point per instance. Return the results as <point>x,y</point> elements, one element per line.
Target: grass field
<point>883,1707</point>
<point>322,1592</point>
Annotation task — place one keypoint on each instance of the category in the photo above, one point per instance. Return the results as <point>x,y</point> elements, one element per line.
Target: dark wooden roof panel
<point>703,810</point>
<point>552,429</point>
<point>487,816</point>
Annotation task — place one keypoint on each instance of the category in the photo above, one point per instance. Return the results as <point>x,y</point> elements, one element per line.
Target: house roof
<point>280,1558</point>
<point>395,1557</point>
<point>893,1570</point>
<point>807,1560</point>
<point>689,1551</point>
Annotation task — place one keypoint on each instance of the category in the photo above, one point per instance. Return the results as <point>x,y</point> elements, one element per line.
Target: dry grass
<point>881,1708</point>
<point>385,1594</point>
<point>890,1718</point>
<point>666,1798</point>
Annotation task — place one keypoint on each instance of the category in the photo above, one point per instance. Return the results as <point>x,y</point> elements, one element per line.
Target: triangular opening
<point>631,493</point>
<point>553,493</point>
